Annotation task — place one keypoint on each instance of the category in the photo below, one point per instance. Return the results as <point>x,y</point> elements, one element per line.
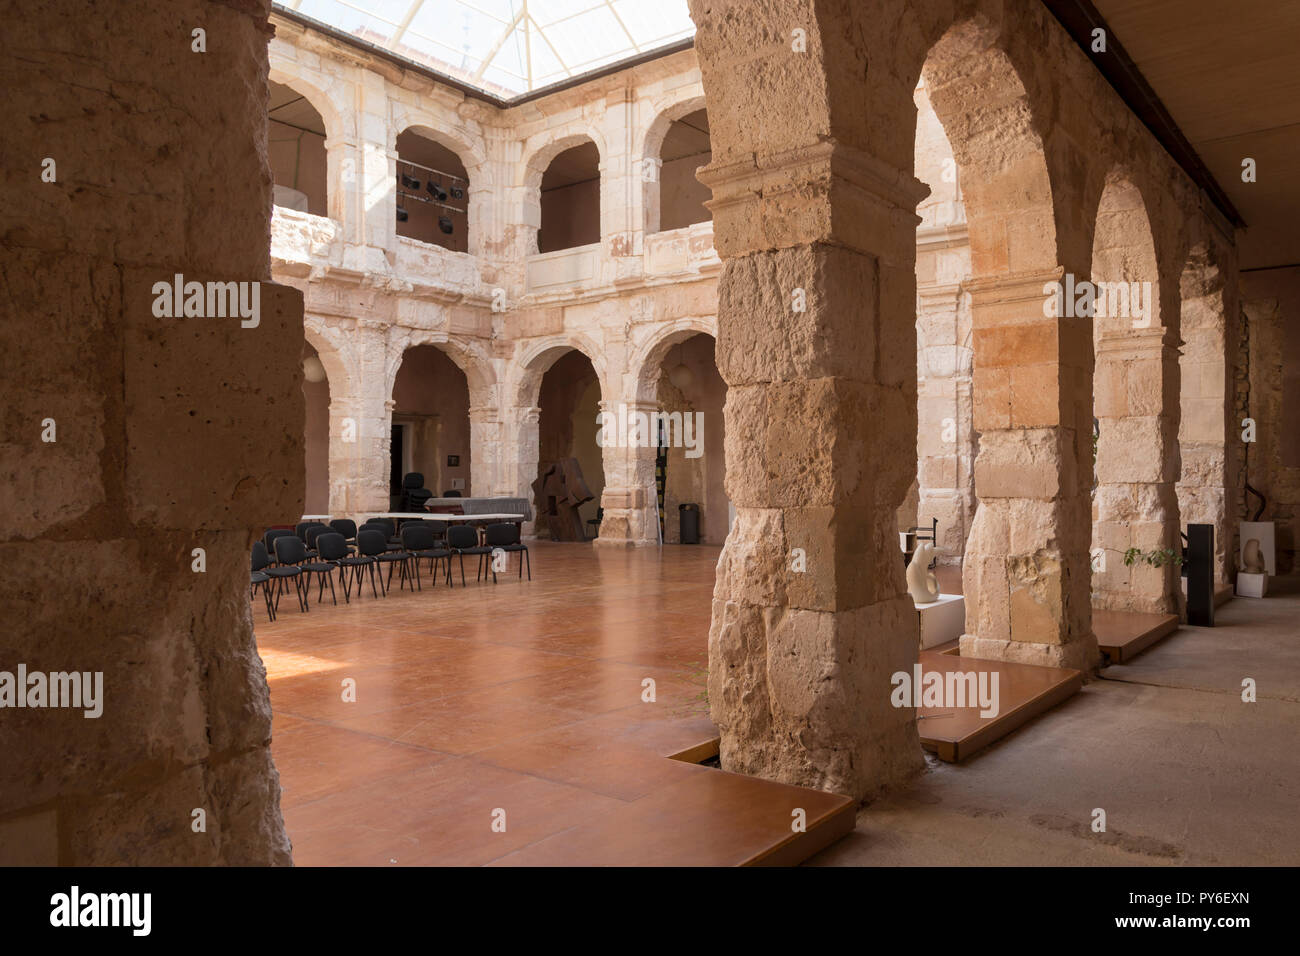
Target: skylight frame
<point>510,78</point>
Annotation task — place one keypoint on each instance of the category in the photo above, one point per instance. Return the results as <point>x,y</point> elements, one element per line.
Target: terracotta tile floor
<point>522,696</point>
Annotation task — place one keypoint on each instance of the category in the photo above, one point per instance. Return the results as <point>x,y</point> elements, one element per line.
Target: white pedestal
<point>1261,531</point>
<point>943,620</point>
<point>1251,585</point>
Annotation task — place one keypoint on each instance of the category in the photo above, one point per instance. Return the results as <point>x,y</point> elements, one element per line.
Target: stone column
<point>485,429</point>
<point>1026,572</point>
<point>817,345</point>
<point>1205,487</point>
<point>1135,504</point>
<point>629,495</point>
<point>520,460</point>
<point>361,432</point>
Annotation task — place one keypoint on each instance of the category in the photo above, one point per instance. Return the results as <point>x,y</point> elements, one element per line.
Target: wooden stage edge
<point>1122,635</point>
<point>1024,692</point>
<point>823,828</point>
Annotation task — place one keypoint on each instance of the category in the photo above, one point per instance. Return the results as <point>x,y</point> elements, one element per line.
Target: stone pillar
<point>629,495</point>
<point>361,431</point>
<point>1026,571</point>
<point>1206,484</point>
<point>520,462</point>
<point>945,441</point>
<point>1135,504</point>
<point>817,345</point>
<point>143,454</point>
<point>485,451</point>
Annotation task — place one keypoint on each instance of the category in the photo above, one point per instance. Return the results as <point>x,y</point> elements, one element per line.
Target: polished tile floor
<point>521,700</point>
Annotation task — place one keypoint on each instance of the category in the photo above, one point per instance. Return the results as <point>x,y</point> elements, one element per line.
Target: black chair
<point>389,527</point>
<point>313,532</point>
<point>268,540</point>
<point>452,493</point>
<point>394,556</point>
<point>259,577</point>
<point>331,549</point>
<point>505,537</point>
<point>370,544</point>
<point>289,552</point>
<point>420,542</point>
<point>463,540</point>
<point>346,527</point>
<point>414,494</point>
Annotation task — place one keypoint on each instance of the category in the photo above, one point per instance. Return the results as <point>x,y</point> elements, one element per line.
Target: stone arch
<point>539,152</point>
<point>338,124</point>
<point>529,368</point>
<point>646,359</point>
<point>467,144</point>
<point>538,155</point>
<point>1135,406</point>
<point>340,367</point>
<point>982,102</point>
<point>340,139</point>
<point>469,356</point>
<point>651,144</point>
<point>421,218</point>
<point>475,363</point>
<point>1123,250</point>
<point>538,356</point>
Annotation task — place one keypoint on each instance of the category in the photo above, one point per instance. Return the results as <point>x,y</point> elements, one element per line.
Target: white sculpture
<point>921,582</point>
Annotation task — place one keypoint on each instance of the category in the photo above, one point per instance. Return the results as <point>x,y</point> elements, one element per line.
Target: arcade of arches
<point>845,283</point>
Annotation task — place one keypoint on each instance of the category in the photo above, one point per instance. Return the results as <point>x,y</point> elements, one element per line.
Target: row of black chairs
<point>317,550</point>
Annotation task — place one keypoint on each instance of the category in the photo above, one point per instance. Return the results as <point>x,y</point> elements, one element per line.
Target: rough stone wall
<point>1272,305</point>
<point>171,434</point>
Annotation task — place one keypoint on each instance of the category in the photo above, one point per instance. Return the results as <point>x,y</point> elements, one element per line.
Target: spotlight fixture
<point>457,192</point>
<point>445,225</point>
<point>410,182</point>
<point>402,214</point>
<point>436,191</point>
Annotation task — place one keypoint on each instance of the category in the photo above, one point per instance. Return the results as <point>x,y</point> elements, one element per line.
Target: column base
<point>1080,654</point>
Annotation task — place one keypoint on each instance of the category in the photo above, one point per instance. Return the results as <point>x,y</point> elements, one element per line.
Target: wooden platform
<point>524,697</point>
<point>1122,635</point>
<point>1024,692</point>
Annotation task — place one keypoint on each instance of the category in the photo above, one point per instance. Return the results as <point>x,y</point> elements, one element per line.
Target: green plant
<point>1157,558</point>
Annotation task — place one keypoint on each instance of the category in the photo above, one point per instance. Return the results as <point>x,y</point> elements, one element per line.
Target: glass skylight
<point>507,47</point>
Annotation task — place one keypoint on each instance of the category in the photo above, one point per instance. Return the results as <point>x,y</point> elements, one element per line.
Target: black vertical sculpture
<point>1199,567</point>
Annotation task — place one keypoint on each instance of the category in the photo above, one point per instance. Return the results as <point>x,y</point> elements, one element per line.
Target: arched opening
<point>296,148</point>
<point>570,199</point>
<point>686,147</point>
<point>432,193</point>
<point>1134,503</point>
<point>568,439</point>
<point>942,501</point>
<point>430,425</point>
<point>316,391</point>
<point>690,457</point>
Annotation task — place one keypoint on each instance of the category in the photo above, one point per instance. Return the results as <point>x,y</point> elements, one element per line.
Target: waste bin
<point>688,519</point>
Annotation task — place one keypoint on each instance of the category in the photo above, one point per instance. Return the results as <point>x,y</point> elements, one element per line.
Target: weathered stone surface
<point>172,434</point>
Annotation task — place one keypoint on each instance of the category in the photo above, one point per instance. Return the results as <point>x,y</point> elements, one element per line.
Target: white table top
<point>429,516</point>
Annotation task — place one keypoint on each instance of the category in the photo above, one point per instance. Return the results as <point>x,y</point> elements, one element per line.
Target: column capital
<point>784,199</point>
<point>1018,287</point>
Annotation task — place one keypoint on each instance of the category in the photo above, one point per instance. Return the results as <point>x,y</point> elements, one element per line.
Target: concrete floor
<point>1186,772</point>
